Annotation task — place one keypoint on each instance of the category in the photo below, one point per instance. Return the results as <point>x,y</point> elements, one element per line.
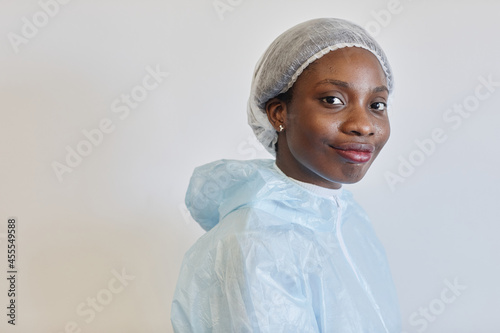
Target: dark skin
<point>336,122</point>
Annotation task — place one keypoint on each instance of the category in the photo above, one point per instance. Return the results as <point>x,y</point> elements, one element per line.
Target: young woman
<point>287,249</point>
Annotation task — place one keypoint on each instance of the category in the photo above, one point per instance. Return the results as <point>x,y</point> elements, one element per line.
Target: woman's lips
<point>355,152</point>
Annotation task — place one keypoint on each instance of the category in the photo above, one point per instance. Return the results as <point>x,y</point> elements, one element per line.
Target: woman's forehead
<point>344,65</point>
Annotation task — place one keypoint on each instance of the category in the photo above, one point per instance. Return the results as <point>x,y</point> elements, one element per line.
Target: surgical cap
<point>287,57</point>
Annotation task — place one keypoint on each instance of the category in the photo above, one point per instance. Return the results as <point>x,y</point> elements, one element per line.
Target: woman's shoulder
<point>249,228</point>
<point>214,185</point>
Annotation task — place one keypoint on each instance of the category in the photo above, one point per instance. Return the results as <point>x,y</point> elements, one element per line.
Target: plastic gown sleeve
<point>258,284</point>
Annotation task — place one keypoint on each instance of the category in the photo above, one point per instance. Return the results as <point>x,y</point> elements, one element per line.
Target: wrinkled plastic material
<point>290,53</point>
<point>279,258</point>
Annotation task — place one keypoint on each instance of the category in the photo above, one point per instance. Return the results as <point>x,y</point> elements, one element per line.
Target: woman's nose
<point>358,122</point>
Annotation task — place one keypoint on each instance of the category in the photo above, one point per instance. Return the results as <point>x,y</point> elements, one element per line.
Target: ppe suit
<point>279,257</point>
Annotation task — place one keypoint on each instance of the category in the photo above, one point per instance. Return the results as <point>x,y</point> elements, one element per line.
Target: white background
<point>120,210</point>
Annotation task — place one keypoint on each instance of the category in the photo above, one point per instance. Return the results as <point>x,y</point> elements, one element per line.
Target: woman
<point>287,249</point>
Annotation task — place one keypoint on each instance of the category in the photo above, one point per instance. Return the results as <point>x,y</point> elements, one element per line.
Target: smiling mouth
<point>355,152</point>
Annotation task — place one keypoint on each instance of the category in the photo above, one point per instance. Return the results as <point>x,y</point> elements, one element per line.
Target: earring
<point>281,128</point>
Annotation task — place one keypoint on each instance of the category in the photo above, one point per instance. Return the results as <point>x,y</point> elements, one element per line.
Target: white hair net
<point>287,57</point>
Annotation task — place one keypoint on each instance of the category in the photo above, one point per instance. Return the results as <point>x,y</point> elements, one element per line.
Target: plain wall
<point>118,210</point>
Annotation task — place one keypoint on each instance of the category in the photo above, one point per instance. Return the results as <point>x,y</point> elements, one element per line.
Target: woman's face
<point>336,123</point>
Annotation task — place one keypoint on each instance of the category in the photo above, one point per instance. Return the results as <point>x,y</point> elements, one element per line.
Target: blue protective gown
<point>279,258</point>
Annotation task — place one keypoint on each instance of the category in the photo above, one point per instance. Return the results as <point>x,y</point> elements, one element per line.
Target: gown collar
<point>319,190</point>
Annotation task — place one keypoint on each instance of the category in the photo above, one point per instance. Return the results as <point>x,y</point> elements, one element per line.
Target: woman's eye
<point>379,106</point>
<point>332,100</point>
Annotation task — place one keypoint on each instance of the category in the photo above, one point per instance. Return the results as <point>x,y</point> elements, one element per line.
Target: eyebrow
<point>344,84</point>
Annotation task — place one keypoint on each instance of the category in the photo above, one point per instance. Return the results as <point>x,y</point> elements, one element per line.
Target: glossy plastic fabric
<point>290,53</point>
<point>279,258</point>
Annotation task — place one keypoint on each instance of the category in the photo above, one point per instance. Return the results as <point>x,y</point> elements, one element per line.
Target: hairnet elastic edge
<point>327,50</point>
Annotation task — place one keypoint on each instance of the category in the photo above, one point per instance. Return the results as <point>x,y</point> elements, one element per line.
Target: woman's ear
<point>276,113</point>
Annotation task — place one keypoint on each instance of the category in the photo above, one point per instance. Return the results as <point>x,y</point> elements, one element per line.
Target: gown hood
<point>219,188</point>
